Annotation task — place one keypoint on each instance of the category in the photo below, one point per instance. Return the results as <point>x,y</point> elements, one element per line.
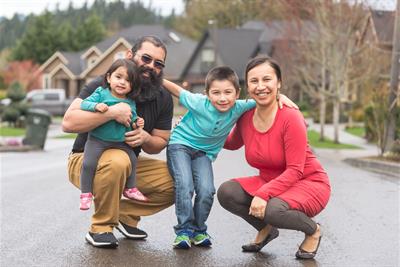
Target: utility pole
<point>394,82</point>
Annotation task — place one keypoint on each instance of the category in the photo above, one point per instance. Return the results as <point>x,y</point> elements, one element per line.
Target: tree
<point>89,32</point>
<point>25,73</point>
<point>328,51</point>
<point>40,41</point>
<point>226,13</point>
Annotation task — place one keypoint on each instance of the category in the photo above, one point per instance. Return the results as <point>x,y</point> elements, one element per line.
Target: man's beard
<point>150,85</point>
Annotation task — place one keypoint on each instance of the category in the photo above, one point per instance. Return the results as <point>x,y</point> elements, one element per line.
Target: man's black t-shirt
<point>157,114</point>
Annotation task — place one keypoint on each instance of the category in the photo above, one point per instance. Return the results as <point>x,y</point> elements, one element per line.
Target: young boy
<point>193,146</point>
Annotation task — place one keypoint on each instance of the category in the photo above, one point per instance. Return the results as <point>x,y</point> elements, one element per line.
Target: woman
<point>291,186</point>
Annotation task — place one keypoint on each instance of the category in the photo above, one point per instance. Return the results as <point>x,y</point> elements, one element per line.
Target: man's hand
<point>257,207</point>
<point>101,107</point>
<point>284,100</point>
<point>121,112</point>
<point>137,137</point>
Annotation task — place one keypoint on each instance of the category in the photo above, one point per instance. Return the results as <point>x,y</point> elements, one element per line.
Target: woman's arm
<point>173,88</point>
<point>234,140</point>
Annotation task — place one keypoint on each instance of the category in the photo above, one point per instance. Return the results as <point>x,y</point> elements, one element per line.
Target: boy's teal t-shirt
<point>204,127</point>
<point>112,130</point>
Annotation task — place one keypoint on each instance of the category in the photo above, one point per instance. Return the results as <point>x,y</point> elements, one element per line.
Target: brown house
<point>71,70</point>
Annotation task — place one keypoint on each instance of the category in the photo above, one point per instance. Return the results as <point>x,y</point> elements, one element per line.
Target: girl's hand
<point>284,100</point>
<point>257,207</point>
<point>140,122</point>
<point>101,107</point>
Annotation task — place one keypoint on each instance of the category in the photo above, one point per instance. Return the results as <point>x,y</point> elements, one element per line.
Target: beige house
<point>72,70</point>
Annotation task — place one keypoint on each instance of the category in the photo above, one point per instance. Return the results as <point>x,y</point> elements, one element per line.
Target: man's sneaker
<point>182,240</point>
<point>131,232</point>
<point>201,239</point>
<point>134,193</point>
<point>102,240</point>
<point>86,201</point>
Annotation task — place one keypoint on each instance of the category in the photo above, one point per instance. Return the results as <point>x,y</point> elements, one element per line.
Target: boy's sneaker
<point>102,240</point>
<point>86,201</point>
<point>201,239</point>
<point>134,193</point>
<point>182,240</point>
<point>131,232</point>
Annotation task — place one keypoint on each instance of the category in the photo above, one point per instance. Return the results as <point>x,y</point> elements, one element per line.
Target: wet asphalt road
<point>41,224</point>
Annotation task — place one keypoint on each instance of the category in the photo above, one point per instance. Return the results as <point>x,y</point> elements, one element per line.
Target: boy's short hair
<point>222,73</point>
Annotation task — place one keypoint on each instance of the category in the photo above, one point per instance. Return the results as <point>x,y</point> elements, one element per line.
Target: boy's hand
<point>284,100</point>
<point>101,107</point>
<point>140,122</point>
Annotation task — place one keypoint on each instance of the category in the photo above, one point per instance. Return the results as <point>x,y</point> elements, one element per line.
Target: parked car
<point>52,100</point>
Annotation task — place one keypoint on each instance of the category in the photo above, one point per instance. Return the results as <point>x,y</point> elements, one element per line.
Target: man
<point>156,107</point>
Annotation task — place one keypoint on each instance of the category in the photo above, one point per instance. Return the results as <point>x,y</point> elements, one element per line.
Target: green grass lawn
<point>10,131</point>
<point>67,136</point>
<point>357,131</point>
<point>313,139</point>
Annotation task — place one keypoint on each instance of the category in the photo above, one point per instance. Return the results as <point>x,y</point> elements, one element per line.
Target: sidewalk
<point>357,157</point>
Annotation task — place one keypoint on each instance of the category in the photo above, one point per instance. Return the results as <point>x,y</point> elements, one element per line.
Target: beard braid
<point>150,86</point>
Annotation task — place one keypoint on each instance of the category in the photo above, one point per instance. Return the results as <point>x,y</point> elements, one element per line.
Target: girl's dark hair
<point>133,76</point>
<point>261,59</point>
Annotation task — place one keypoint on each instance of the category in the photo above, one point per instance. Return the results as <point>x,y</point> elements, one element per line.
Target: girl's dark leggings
<point>233,198</point>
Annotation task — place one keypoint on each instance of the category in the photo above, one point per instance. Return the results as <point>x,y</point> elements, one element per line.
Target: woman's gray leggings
<point>233,198</point>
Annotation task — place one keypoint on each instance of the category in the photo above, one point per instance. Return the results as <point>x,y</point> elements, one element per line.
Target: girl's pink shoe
<point>134,193</point>
<point>86,201</point>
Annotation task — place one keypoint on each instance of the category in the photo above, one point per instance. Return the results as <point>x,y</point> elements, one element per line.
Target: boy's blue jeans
<point>192,172</point>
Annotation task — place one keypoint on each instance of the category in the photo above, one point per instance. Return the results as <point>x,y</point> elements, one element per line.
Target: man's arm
<point>152,143</point>
<point>77,120</point>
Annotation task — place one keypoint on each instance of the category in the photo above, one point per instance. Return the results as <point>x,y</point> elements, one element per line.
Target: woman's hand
<point>284,100</point>
<point>257,207</point>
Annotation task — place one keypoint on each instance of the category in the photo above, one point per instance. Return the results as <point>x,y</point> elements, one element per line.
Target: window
<point>207,60</point>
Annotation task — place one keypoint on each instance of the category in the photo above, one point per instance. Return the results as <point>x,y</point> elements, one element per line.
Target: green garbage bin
<point>37,124</point>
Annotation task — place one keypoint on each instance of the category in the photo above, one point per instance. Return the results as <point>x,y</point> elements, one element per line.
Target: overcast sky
<point>9,7</point>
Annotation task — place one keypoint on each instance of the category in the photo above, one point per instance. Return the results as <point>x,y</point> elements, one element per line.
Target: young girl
<point>121,84</point>
<point>194,145</point>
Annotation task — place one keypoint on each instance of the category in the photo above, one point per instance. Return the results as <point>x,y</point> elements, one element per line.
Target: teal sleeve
<point>91,101</point>
<point>191,101</point>
<point>245,105</point>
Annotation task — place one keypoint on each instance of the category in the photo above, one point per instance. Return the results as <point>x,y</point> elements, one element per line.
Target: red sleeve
<point>295,146</point>
<point>235,140</point>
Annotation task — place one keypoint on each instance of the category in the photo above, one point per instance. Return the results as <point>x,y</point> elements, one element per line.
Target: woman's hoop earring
<point>277,95</point>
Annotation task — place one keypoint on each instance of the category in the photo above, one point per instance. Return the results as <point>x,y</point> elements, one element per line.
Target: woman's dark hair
<point>133,76</point>
<point>262,59</point>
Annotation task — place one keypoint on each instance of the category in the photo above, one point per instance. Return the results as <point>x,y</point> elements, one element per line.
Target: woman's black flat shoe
<point>302,254</point>
<point>255,247</point>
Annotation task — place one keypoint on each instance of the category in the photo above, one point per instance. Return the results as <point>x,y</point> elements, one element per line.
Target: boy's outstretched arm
<point>172,88</point>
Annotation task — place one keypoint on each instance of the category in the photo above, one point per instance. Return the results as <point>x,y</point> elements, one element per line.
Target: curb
<point>24,148</point>
<point>389,168</point>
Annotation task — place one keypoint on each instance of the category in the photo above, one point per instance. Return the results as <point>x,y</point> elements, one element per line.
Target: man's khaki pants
<point>152,179</point>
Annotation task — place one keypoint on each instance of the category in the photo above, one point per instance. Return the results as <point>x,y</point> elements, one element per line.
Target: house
<point>71,70</point>
<point>234,47</point>
<point>378,34</point>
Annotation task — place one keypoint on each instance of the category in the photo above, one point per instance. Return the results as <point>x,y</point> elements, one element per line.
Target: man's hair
<point>133,76</point>
<point>222,73</point>
<point>151,39</point>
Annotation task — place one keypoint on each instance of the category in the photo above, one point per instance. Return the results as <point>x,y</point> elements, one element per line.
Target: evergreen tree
<point>90,32</point>
<point>40,40</point>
